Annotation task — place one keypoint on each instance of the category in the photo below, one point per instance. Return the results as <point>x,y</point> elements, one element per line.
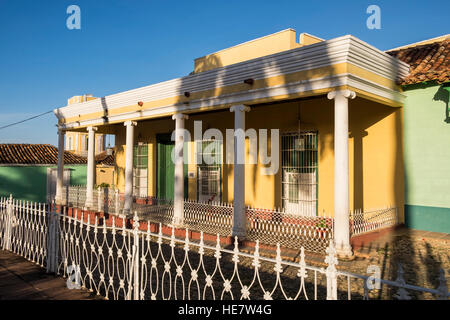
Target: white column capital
<point>240,108</point>
<point>180,116</point>
<point>90,128</point>
<point>130,123</point>
<point>345,93</point>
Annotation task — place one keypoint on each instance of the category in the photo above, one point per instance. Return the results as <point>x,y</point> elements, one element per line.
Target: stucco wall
<point>375,151</point>
<point>104,174</point>
<point>427,158</point>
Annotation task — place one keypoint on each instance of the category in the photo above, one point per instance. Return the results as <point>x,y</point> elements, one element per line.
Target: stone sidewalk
<point>21,279</point>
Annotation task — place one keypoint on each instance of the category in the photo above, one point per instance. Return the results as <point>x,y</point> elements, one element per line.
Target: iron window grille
<point>299,163</point>
<point>140,170</point>
<point>209,174</point>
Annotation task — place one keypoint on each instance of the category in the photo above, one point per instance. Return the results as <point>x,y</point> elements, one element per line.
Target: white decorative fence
<point>125,259</point>
<point>24,229</point>
<point>290,230</point>
<point>371,220</point>
<point>106,200</point>
<point>268,226</point>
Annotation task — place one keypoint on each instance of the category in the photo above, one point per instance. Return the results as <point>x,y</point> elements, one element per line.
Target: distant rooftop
<point>35,154</point>
<point>428,41</point>
<point>429,60</point>
<point>104,158</point>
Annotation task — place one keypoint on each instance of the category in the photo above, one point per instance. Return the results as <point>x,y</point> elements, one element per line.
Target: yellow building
<point>77,142</point>
<point>334,103</point>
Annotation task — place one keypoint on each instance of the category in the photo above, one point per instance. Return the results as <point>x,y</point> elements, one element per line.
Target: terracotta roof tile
<point>35,154</point>
<point>429,62</point>
<point>104,158</point>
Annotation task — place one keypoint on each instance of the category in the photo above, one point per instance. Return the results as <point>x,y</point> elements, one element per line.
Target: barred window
<point>209,170</point>
<point>299,173</point>
<point>140,170</point>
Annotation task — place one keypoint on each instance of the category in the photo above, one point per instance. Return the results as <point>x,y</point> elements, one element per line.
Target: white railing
<point>371,220</point>
<point>23,229</point>
<point>212,217</point>
<point>124,259</point>
<point>106,200</point>
<point>290,230</point>
<point>268,226</point>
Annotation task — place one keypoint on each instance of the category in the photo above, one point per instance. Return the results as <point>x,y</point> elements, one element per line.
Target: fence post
<point>137,288</point>
<point>52,244</point>
<point>331,272</point>
<point>8,224</point>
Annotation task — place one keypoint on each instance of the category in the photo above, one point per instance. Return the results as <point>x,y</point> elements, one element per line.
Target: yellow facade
<point>104,175</point>
<point>77,143</point>
<point>274,43</point>
<point>375,120</point>
<point>375,151</point>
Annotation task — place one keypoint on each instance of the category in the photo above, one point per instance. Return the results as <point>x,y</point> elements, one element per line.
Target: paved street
<point>23,280</point>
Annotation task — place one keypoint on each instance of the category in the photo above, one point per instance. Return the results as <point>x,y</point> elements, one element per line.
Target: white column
<point>239,219</point>
<point>129,166</point>
<point>178,201</point>
<point>60,173</point>
<point>90,167</point>
<point>341,185</point>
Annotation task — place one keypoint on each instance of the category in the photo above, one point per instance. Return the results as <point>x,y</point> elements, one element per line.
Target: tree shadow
<point>443,95</point>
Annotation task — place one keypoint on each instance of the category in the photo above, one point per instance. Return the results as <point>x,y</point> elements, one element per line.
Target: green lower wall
<point>30,182</point>
<point>427,157</point>
<point>78,175</point>
<point>427,218</point>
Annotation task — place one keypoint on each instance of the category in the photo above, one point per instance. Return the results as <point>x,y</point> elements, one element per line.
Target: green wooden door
<point>166,168</point>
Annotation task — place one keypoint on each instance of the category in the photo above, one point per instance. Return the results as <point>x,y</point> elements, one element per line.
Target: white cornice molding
<point>241,97</point>
<point>343,49</point>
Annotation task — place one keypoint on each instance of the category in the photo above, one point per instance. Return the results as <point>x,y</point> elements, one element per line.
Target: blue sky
<point>125,44</point>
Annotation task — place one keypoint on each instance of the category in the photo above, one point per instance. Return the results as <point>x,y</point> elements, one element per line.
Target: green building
<point>28,171</point>
<point>426,130</point>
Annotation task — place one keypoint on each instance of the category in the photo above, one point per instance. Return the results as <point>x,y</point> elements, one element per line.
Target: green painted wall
<point>30,182</point>
<point>427,158</point>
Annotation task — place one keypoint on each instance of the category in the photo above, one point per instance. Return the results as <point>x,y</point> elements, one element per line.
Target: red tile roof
<point>429,62</point>
<point>104,158</point>
<point>35,154</point>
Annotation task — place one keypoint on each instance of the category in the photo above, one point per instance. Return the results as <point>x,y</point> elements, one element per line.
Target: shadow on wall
<point>443,95</point>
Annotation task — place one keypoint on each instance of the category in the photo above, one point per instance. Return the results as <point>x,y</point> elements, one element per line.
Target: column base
<point>345,252</point>
<point>89,205</point>
<point>60,202</point>
<point>178,222</point>
<point>238,232</point>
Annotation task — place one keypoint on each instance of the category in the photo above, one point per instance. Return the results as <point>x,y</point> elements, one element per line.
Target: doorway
<point>165,168</point>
